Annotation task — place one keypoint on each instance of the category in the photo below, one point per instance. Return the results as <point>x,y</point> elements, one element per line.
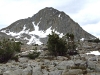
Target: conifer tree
<point>8,49</point>
<point>56,45</point>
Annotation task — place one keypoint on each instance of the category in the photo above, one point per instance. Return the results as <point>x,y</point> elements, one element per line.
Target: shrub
<point>56,45</point>
<point>15,58</point>
<point>35,48</point>
<point>17,46</point>
<point>33,55</point>
<point>7,49</point>
<point>97,40</point>
<point>43,66</point>
<point>71,45</point>
<point>60,46</point>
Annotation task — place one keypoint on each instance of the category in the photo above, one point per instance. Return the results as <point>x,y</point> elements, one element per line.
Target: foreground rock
<point>81,64</point>
<point>49,67</point>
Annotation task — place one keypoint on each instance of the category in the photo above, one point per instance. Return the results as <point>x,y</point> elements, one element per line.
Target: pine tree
<point>56,45</point>
<point>8,49</point>
<point>71,45</point>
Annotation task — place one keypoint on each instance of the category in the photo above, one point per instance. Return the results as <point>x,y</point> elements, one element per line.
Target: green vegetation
<point>17,46</point>
<point>97,40</point>
<point>35,48</point>
<point>15,58</point>
<point>71,45</point>
<point>56,45</point>
<point>61,46</point>
<point>34,55</point>
<point>8,48</point>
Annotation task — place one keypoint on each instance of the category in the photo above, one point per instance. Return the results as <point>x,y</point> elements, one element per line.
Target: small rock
<point>23,60</point>
<point>72,72</point>
<point>37,71</point>
<point>56,72</point>
<point>27,71</point>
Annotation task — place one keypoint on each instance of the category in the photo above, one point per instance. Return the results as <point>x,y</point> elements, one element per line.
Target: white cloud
<point>89,14</point>
<point>89,17</point>
<point>93,28</point>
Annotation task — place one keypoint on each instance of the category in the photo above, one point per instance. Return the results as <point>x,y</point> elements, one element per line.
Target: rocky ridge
<point>36,28</point>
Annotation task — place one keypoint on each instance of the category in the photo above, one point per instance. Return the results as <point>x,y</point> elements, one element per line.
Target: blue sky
<point>84,12</point>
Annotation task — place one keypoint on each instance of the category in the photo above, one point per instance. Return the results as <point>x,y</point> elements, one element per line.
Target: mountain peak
<point>49,12</point>
<point>46,9</point>
<point>36,28</point>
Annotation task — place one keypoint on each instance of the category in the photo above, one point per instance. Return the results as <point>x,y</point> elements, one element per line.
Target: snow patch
<point>94,52</point>
<point>30,51</point>
<point>40,18</point>
<point>4,31</point>
<point>12,33</point>
<point>17,37</point>
<point>26,38</point>
<point>16,34</point>
<point>60,34</point>
<point>33,34</point>
<point>59,15</point>
<point>82,39</point>
<point>40,33</point>
<point>34,40</point>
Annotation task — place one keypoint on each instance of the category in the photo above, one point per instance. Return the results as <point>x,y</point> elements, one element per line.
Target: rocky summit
<point>34,30</point>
